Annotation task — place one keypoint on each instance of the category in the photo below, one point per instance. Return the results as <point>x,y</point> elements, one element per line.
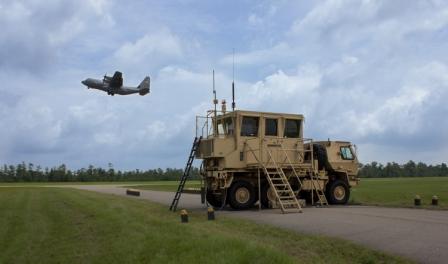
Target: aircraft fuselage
<point>104,86</point>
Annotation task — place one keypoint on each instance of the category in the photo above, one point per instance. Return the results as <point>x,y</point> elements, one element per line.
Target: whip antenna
<point>233,81</point>
<point>215,102</point>
<point>214,90</point>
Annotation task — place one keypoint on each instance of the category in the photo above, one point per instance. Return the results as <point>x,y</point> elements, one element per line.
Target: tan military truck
<point>250,156</point>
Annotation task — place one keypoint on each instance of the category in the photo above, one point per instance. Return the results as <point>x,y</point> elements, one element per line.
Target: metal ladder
<point>319,191</point>
<point>186,173</point>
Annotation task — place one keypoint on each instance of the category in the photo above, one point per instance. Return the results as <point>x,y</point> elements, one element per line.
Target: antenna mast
<point>215,101</point>
<point>233,81</point>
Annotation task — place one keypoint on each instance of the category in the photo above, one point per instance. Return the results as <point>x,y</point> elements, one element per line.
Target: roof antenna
<point>215,101</point>
<point>233,80</point>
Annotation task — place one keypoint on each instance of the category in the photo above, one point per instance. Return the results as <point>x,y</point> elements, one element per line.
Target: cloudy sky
<point>372,72</point>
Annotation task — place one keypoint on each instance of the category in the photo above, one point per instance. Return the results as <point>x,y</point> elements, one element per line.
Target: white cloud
<point>38,34</point>
<point>153,48</point>
<point>374,72</point>
<point>400,114</point>
<point>280,86</point>
<point>386,22</point>
<point>278,52</point>
<point>254,20</point>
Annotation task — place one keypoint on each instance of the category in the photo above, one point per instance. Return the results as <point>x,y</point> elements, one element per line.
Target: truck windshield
<point>346,153</point>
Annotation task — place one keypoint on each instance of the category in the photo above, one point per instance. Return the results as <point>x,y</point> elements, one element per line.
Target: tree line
<point>409,169</point>
<point>30,173</point>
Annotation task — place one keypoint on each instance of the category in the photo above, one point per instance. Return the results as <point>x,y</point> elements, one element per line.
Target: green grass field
<point>39,184</point>
<point>394,192</point>
<point>400,192</point>
<point>58,225</point>
<point>168,186</point>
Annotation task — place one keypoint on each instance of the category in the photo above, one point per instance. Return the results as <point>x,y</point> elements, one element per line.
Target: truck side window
<point>292,128</point>
<point>249,127</point>
<point>229,126</point>
<point>346,153</point>
<point>270,127</point>
<point>220,129</point>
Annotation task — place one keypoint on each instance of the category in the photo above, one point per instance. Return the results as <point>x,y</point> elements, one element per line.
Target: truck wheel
<point>267,195</point>
<point>241,195</point>
<point>213,199</point>
<point>337,192</point>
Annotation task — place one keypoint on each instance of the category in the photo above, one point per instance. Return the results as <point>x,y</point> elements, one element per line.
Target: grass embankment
<point>400,192</point>
<point>56,225</point>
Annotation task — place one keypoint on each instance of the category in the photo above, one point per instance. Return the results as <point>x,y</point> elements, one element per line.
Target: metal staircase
<point>186,173</point>
<point>283,191</point>
<point>279,183</point>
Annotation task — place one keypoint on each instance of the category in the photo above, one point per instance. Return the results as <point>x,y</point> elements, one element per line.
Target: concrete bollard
<point>210,213</point>
<point>184,216</point>
<point>435,200</point>
<point>417,200</point>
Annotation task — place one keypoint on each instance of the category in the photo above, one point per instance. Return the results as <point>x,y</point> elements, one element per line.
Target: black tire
<point>213,199</point>
<point>264,196</point>
<point>337,192</point>
<point>241,195</point>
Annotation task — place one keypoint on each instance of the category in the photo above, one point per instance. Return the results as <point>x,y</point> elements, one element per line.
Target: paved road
<point>421,235</point>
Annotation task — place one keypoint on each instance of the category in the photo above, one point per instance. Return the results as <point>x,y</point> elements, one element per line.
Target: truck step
<point>286,196</point>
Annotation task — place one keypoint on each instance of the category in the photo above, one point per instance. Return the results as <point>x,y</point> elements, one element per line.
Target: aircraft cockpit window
<point>292,128</point>
<point>249,127</point>
<point>346,153</point>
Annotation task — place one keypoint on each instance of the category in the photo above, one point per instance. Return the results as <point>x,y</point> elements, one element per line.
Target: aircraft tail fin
<point>143,87</point>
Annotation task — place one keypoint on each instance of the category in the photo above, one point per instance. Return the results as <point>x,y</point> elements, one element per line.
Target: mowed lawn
<point>400,192</point>
<point>58,225</point>
<point>394,192</point>
<point>167,186</point>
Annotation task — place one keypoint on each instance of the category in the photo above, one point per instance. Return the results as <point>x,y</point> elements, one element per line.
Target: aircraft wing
<point>117,80</point>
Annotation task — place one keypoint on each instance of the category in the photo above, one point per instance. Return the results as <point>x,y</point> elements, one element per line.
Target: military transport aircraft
<point>114,85</point>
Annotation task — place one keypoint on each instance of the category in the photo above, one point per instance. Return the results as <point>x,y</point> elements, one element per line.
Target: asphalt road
<point>418,234</point>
